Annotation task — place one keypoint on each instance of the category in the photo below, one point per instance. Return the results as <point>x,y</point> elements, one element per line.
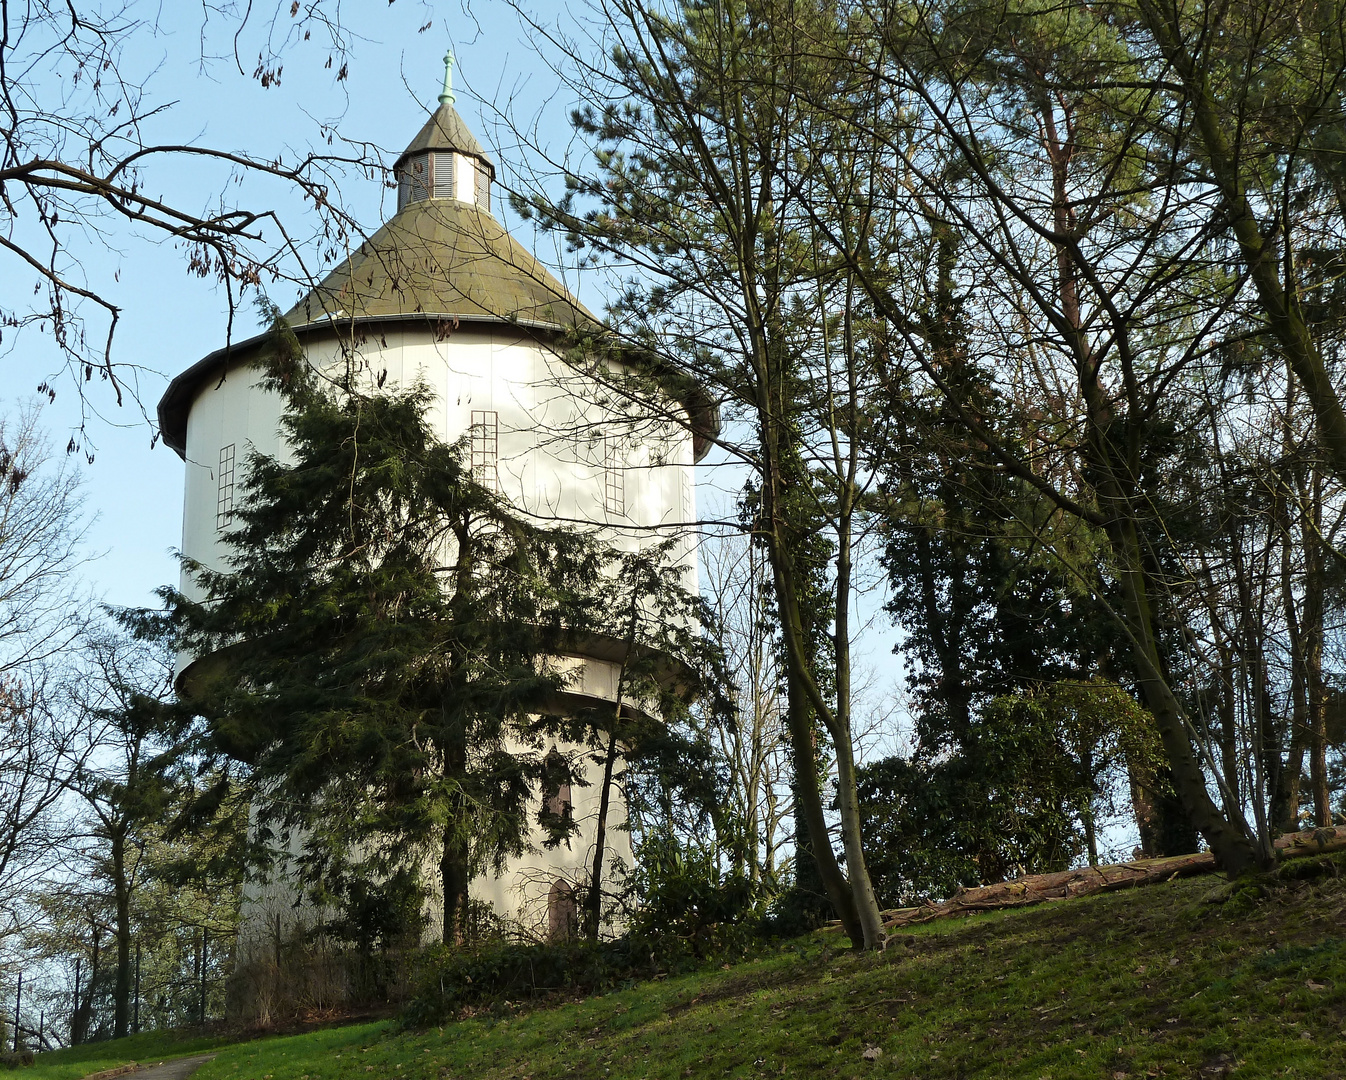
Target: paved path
<point>177,1069</point>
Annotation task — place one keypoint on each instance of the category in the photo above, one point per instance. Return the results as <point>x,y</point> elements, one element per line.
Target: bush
<point>453,979</point>
<point>685,907</point>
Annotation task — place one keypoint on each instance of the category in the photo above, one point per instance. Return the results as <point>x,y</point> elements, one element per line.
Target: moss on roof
<point>442,258</point>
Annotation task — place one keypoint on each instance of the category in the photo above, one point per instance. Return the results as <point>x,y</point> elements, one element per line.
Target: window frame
<point>485,448</point>
<point>224,486</point>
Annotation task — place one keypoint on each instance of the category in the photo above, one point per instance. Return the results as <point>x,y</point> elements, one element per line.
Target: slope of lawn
<point>150,1046</point>
<point>1145,983</point>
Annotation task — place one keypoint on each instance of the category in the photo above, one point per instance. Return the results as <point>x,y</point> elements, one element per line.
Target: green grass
<point>1152,982</point>
<point>76,1061</point>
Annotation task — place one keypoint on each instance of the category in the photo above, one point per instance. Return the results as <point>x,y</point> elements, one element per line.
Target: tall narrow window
<point>443,187</point>
<point>483,187</point>
<point>688,526</point>
<point>224,498</point>
<point>486,448</point>
<point>614,477</point>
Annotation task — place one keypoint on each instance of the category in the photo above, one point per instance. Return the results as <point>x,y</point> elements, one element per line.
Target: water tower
<point>444,294</point>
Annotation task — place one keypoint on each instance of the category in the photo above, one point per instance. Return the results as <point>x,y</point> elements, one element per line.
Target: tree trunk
<point>1224,709</point>
<point>1233,848</point>
<point>83,1017</point>
<point>121,997</point>
<point>799,720</point>
<point>593,900</point>
<point>812,897</point>
<point>454,880</point>
<point>1284,810</point>
<point>1313,651</point>
<point>862,888</point>
<point>805,700</point>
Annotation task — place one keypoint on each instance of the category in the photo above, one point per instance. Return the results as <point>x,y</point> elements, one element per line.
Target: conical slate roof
<point>441,258</point>
<point>445,130</point>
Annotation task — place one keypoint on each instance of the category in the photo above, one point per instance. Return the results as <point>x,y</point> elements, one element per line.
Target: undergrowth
<point>1175,980</point>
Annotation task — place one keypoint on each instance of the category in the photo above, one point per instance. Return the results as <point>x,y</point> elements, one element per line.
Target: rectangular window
<point>224,498</point>
<point>486,448</point>
<point>444,176</point>
<point>614,478</point>
<point>688,525</point>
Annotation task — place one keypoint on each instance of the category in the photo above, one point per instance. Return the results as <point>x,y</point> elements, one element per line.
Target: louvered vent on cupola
<point>483,186</point>
<point>442,166</point>
<point>424,176</point>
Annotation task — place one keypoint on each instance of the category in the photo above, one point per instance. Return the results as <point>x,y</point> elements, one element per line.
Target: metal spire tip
<point>446,95</point>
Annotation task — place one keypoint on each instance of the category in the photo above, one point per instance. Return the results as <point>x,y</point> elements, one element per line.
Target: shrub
<point>687,907</point>
<point>452,979</point>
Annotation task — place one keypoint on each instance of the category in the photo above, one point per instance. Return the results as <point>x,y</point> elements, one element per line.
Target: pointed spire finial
<point>446,95</point>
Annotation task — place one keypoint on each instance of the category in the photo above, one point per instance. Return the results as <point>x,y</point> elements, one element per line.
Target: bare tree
<point>36,754</point>
<point>755,750</point>
<point>124,755</point>
<point>43,613</point>
<point>82,167</point>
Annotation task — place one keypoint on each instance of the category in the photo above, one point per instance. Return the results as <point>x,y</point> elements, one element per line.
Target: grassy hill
<point>75,1062</point>
<point>1151,982</point>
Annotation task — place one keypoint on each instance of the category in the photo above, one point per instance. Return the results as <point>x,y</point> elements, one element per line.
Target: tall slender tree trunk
<point>1284,809</point>
<point>454,881</point>
<point>809,796</point>
<point>593,900</point>
<point>1232,847</point>
<point>806,700</point>
<point>1313,634</point>
<point>1225,710</point>
<point>121,998</point>
<point>848,799</point>
<point>454,876</point>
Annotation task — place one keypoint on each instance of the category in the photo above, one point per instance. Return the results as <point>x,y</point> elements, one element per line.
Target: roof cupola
<point>444,160</point>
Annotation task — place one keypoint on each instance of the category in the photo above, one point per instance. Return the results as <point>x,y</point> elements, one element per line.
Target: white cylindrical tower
<point>442,293</point>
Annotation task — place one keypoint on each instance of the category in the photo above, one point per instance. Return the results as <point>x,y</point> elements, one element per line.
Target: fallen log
<point>1043,888</point>
<point>1040,888</point>
<point>1311,842</point>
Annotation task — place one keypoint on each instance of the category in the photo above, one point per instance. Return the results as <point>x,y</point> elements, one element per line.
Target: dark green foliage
<point>1000,805</point>
<point>495,973</point>
<point>377,913</point>
<point>689,903</point>
<point>1022,794</point>
<point>452,979</point>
